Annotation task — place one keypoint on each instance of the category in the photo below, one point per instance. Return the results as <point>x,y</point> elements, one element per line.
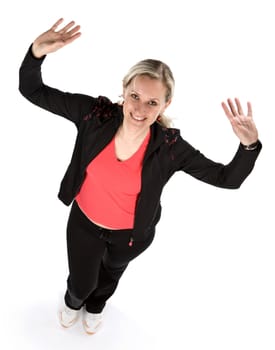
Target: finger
<point>57,24</point>
<point>227,111</point>
<point>232,107</point>
<point>240,110</point>
<point>249,109</point>
<point>73,31</point>
<point>67,27</point>
<point>71,38</point>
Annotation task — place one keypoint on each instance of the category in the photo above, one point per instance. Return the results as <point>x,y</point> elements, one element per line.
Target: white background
<point>207,282</point>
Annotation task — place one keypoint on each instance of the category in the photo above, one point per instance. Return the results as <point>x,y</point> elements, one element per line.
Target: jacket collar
<point>156,139</point>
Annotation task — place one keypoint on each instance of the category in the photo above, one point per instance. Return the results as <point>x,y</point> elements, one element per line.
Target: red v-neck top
<point>110,189</point>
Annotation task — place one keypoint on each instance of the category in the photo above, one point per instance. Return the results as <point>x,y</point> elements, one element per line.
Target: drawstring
<point>131,241</point>
<point>106,236</point>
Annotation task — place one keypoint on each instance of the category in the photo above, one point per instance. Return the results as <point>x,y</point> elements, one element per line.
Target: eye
<point>153,103</point>
<point>134,96</point>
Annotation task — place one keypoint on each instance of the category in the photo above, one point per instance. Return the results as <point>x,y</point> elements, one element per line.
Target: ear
<point>166,105</point>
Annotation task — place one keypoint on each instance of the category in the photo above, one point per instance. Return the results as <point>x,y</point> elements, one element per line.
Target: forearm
<point>231,175</point>
<point>235,173</point>
<point>30,78</point>
<point>31,86</point>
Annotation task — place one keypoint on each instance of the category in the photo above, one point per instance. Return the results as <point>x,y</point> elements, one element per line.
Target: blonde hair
<point>155,69</point>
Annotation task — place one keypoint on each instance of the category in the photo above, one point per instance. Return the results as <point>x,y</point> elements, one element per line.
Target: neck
<point>132,134</point>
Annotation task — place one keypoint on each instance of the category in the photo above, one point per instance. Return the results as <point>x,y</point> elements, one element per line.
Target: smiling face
<point>144,101</point>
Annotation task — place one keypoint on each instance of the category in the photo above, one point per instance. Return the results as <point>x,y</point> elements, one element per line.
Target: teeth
<point>139,119</point>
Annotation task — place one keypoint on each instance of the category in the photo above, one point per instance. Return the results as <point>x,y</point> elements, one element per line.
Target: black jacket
<point>97,120</point>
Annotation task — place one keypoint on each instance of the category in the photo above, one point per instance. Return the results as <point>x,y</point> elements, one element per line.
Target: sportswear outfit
<point>98,256</point>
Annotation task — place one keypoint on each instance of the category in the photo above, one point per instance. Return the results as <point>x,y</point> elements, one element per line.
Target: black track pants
<point>97,258</point>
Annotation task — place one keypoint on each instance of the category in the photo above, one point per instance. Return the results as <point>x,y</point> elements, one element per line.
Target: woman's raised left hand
<point>243,125</point>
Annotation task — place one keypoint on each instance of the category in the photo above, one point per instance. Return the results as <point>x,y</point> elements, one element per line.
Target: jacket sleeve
<point>231,176</point>
<point>68,105</point>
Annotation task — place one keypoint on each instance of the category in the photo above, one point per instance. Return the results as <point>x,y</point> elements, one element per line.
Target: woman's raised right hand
<point>53,40</point>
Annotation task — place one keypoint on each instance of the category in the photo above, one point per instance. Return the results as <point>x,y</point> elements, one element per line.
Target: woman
<point>124,155</point>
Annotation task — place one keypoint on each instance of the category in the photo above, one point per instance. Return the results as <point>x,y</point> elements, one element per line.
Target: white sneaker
<point>91,322</point>
<point>68,317</point>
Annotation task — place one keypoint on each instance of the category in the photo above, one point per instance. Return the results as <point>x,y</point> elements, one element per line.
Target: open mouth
<point>137,118</point>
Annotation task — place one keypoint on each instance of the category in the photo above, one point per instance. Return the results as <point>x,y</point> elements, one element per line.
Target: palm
<point>243,125</point>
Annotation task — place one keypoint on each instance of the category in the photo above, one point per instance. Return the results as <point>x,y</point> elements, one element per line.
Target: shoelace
<point>93,317</point>
<point>70,312</point>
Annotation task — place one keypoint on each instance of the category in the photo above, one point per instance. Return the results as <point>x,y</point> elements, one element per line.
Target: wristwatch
<point>252,146</point>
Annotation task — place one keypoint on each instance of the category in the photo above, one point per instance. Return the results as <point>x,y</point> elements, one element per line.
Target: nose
<point>140,109</point>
